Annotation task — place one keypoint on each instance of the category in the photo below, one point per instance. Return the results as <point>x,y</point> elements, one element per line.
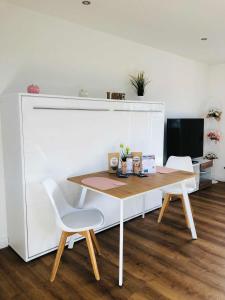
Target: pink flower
<point>214,136</point>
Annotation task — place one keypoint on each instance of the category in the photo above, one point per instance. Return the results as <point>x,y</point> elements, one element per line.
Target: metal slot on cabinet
<point>70,108</point>
<point>138,110</point>
<point>95,109</point>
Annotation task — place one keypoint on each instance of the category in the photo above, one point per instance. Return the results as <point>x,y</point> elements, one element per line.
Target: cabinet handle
<point>70,108</point>
<point>95,109</point>
<point>138,110</point>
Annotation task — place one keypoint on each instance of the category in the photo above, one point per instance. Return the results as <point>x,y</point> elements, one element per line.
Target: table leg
<point>121,245</point>
<point>80,205</point>
<point>188,211</point>
<point>82,197</point>
<point>143,206</point>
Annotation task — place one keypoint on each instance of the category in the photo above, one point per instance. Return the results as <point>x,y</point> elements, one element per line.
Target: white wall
<point>3,226</point>
<point>216,99</point>
<point>63,57</point>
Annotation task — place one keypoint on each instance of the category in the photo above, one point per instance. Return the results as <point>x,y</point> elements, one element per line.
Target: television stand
<point>203,169</point>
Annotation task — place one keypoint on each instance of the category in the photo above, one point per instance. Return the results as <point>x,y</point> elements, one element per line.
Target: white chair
<point>179,163</point>
<point>72,220</point>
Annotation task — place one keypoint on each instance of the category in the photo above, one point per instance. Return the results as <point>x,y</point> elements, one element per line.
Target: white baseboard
<point>3,242</point>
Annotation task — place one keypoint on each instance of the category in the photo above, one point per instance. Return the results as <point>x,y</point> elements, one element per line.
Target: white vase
<point>141,98</point>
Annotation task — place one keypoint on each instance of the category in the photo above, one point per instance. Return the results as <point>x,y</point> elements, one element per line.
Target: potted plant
<point>211,156</point>
<point>124,152</point>
<point>214,113</point>
<point>139,82</point>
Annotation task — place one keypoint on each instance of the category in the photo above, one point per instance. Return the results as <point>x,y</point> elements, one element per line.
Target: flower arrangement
<point>139,82</point>
<point>211,156</point>
<point>214,136</point>
<point>214,113</point>
<point>124,152</point>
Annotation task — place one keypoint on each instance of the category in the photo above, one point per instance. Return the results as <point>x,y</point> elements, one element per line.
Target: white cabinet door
<point>147,134</point>
<point>157,136</point>
<point>64,138</point>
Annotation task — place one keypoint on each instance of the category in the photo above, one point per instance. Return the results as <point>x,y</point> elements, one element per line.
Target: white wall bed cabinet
<point>61,137</point>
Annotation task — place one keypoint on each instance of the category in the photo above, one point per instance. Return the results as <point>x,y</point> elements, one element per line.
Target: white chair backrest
<point>182,163</point>
<point>58,201</point>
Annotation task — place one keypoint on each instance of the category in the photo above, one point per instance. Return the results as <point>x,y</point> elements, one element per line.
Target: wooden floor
<point>161,261</point>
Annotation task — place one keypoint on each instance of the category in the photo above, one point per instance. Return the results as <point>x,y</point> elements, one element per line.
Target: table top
<point>134,184</point>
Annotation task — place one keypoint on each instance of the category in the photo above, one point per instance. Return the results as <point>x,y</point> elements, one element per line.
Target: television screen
<point>185,137</point>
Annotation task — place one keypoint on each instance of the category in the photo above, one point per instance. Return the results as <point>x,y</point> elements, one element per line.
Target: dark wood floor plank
<point>161,260</point>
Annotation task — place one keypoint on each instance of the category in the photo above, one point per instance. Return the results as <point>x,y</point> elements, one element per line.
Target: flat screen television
<point>185,137</point>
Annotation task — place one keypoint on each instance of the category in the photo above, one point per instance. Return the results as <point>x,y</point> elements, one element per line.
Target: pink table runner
<point>102,183</point>
<point>164,170</point>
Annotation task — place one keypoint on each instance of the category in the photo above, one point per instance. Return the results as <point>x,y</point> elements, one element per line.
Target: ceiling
<point>172,25</point>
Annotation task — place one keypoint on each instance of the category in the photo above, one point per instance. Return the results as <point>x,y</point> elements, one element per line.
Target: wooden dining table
<point>137,186</point>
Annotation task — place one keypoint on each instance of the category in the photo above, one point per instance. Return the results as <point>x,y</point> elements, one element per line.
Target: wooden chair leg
<point>166,202</point>
<point>62,243</point>
<point>95,242</point>
<point>92,254</point>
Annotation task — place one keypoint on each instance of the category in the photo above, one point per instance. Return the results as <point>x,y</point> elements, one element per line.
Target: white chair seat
<point>176,189</point>
<point>82,220</point>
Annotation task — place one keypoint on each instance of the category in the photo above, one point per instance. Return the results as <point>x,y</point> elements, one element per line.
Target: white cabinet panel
<point>157,136</point>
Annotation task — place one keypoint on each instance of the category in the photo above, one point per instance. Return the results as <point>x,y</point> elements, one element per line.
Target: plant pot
<point>141,98</point>
<point>124,167</point>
